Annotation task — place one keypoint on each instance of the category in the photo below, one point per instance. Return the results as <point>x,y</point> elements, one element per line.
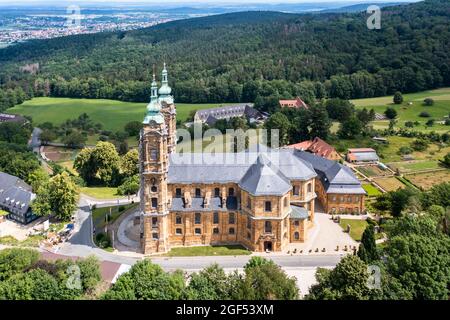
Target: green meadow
<point>112,114</point>
<point>411,107</point>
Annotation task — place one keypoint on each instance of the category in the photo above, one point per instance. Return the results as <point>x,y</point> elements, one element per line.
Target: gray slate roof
<point>262,175</point>
<point>231,167</point>
<point>226,112</point>
<point>365,156</point>
<point>15,195</point>
<point>335,177</point>
<point>298,212</point>
<point>263,178</point>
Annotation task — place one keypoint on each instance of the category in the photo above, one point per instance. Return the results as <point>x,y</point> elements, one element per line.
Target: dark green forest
<point>240,56</point>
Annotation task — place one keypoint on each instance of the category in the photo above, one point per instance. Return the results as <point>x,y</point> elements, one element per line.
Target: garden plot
<point>426,180</point>
<point>389,183</point>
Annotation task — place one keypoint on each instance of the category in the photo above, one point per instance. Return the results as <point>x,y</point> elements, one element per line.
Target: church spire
<point>154,89</point>
<point>165,90</point>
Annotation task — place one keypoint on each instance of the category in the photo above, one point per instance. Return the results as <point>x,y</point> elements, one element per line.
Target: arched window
<point>296,236</point>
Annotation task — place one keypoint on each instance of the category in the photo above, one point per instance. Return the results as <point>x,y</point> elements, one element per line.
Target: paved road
<point>83,225</point>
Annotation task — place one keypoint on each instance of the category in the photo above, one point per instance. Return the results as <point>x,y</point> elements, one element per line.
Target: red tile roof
<point>295,103</point>
<point>316,146</point>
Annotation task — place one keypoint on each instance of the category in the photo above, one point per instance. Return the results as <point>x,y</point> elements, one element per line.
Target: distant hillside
<point>363,7</point>
<point>242,56</point>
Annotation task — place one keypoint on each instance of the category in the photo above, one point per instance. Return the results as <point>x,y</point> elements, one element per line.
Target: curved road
<point>81,245</point>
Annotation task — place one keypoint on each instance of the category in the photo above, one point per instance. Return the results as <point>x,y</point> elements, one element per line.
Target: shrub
<point>102,240</point>
<point>428,102</point>
<point>390,113</point>
<point>405,150</point>
<point>424,114</point>
<point>419,144</point>
<point>398,98</point>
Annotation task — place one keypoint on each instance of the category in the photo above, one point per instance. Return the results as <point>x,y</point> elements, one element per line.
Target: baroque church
<point>262,200</point>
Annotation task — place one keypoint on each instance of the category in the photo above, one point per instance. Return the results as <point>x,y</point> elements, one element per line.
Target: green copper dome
<point>154,107</point>
<point>165,90</point>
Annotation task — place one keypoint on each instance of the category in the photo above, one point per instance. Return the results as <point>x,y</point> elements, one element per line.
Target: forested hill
<point>239,56</point>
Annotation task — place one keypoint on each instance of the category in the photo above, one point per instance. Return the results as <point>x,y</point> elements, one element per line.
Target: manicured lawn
<point>113,115</point>
<point>357,227</point>
<point>411,112</point>
<point>100,192</point>
<point>99,214</point>
<point>371,190</point>
<point>232,250</point>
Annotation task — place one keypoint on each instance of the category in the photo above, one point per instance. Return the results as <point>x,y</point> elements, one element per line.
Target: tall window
<point>268,206</point>
<point>231,218</point>
<point>198,193</point>
<point>216,192</point>
<point>249,223</point>
<point>198,218</point>
<point>154,222</point>
<point>231,192</point>
<point>309,187</point>
<point>296,236</point>
<point>285,202</point>
<point>249,203</point>
<point>268,227</point>
<point>153,154</point>
<point>154,202</point>
<point>295,191</point>
<point>216,217</point>
<point>178,220</point>
<point>178,193</point>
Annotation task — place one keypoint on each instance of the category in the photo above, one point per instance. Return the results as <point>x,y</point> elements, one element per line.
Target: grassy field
<point>411,112</point>
<point>98,215</point>
<point>226,250</point>
<point>100,192</point>
<point>390,183</point>
<point>409,166</point>
<point>371,190</point>
<point>357,227</point>
<point>113,115</point>
<point>428,179</point>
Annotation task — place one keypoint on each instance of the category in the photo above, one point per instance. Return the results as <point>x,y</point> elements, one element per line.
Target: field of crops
<point>429,179</point>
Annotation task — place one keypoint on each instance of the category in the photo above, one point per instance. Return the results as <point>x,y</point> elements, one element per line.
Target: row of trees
<point>262,280</point>
<point>257,55</point>
<point>414,263</point>
<point>24,276</point>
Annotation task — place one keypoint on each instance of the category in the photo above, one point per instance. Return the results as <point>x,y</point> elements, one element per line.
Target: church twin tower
<point>157,142</point>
